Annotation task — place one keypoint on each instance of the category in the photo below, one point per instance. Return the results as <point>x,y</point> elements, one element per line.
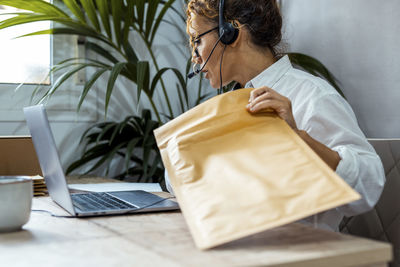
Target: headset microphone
<point>193,73</point>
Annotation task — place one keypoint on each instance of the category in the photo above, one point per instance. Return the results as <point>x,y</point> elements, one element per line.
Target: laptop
<point>83,204</point>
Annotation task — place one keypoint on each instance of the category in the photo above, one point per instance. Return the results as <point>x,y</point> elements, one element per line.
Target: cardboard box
<point>18,156</point>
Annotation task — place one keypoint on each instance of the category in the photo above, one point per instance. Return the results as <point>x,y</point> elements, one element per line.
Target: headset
<point>227,32</point>
<point>227,35</point>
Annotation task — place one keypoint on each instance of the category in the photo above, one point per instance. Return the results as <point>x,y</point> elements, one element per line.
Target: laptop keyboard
<point>98,201</point>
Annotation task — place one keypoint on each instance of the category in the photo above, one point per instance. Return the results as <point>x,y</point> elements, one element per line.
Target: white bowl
<point>15,202</point>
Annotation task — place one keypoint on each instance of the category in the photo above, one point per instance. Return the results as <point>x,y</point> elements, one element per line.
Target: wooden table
<point>163,239</point>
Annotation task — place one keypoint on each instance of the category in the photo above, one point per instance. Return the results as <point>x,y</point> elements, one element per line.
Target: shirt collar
<point>271,75</point>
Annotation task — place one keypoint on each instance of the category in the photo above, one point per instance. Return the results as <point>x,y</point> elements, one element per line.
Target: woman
<point>311,107</point>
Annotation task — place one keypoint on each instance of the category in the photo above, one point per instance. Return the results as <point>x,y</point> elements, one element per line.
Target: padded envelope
<point>235,174</point>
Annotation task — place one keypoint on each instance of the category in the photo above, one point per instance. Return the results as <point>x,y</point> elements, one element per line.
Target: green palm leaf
<point>130,53</point>
<point>140,14</point>
<point>178,75</point>
<point>115,71</point>
<point>179,14</point>
<point>178,90</point>
<point>102,5</point>
<point>37,6</point>
<point>156,79</point>
<point>159,18</point>
<point>75,9</point>
<point>91,12</point>
<point>70,31</point>
<point>143,73</point>
<point>88,86</point>
<point>110,156</point>
<point>101,51</point>
<point>116,6</point>
<point>89,155</point>
<point>152,7</point>
<point>62,79</point>
<point>24,18</point>
<point>129,150</point>
<point>104,135</point>
<point>129,17</point>
<point>154,173</point>
<point>104,157</point>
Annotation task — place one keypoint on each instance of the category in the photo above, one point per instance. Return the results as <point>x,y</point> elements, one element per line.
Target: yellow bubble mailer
<point>236,174</point>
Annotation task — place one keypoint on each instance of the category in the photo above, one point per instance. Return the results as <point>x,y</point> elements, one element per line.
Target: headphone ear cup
<point>228,33</point>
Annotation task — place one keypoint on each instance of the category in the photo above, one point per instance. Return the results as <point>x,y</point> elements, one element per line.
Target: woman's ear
<point>239,38</point>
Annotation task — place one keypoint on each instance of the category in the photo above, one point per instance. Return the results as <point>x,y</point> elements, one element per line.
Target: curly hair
<point>262,18</point>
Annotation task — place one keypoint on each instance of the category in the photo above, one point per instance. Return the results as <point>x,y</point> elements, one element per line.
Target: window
<point>24,60</point>
<point>27,61</point>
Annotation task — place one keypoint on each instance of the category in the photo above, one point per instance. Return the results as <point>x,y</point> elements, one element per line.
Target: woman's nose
<point>196,56</point>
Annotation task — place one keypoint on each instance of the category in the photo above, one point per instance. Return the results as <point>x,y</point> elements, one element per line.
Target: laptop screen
<point>46,151</point>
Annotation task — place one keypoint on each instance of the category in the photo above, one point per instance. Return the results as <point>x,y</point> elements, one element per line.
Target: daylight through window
<point>24,60</point>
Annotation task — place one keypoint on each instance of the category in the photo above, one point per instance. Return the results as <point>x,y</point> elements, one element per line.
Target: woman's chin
<point>214,84</point>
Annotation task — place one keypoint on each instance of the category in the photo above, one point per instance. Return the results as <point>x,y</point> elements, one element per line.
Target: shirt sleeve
<point>333,123</point>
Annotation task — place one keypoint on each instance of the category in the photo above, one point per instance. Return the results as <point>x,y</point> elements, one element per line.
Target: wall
<point>359,42</point>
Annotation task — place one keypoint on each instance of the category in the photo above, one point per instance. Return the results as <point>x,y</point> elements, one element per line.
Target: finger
<point>266,105</point>
<point>266,95</point>
<point>270,94</point>
<point>262,91</point>
<point>258,99</point>
<point>256,92</point>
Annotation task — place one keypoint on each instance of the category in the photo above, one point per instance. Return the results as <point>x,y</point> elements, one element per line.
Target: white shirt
<point>319,110</point>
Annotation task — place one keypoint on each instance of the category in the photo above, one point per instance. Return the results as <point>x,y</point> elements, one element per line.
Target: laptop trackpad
<point>138,198</point>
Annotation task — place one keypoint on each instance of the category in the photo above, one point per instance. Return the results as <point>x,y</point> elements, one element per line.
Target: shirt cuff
<point>348,165</point>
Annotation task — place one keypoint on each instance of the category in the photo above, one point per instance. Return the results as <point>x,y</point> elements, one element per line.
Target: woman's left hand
<point>266,98</point>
